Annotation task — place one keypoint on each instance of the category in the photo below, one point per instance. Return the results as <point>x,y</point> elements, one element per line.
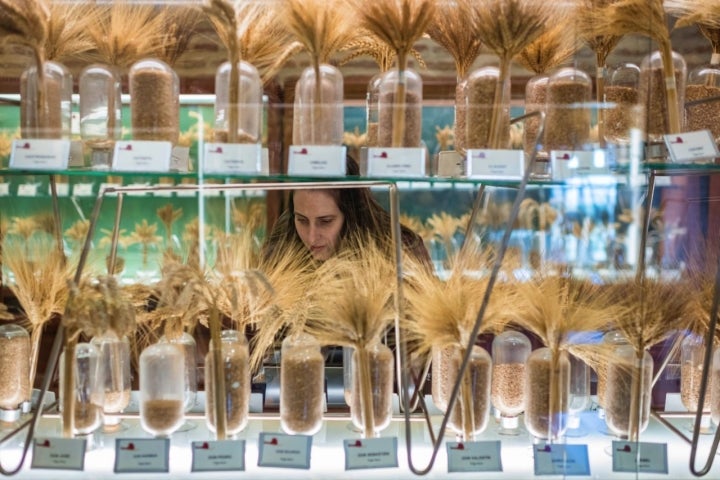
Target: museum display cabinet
<point>562,323</point>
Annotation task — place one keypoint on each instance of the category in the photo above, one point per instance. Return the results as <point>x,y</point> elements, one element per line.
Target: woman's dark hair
<point>363,214</point>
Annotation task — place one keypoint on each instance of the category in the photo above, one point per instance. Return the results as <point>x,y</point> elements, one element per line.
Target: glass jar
<point>100,112</point>
<point>547,388</point>
<point>442,378</point>
<point>621,95</point>
<point>471,412</point>
<point>480,102</point>
<point>653,95</point>
<point>89,389</point>
<point>625,396</point>
<point>302,382</point>
<point>703,82</point>
<point>245,113</point>
<point>154,101</point>
<point>318,110</point>
<point>372,112</point>
<point>45,109</point>
<point>510,351</point>
<point>162,389</point>
<point>373,375</point>
<point>189,347</point>
<point>115,372</point>
<point>535,98</point>
<point>460,116</point>
<point>612,338</point>
<point>692,357</point>
<point>15,372</point>
<point>236,368</point>
<point>567,110</point>
<point>400,109</point>
<point>579,400</point>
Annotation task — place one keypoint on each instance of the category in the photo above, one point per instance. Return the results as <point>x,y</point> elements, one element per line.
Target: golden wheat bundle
<point>703,13</point>
<point>555,46</point>
<point>366,44</point>
<point>506,27</point>
<point>25,22</point>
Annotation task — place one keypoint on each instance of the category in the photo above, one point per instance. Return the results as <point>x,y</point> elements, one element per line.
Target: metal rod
<point>646,225</point>
<point>57,220</point>
<point>473,218</point>
<point>115,235</point>
<point>670,426</point>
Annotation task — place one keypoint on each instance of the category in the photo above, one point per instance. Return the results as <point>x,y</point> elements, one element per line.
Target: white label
<point>284,451</point>
<point>496,164</point>
<point>317,160</point>
<point>559,459</point>
<point>144,189</point>
<point>142,156</point>
<point>180,159</point>
<point>62,189</point>
<point>640,457</point>
<point>59,453</point>
<point>142,455</point>
<point>77,158</point>
<point>396,162</point>
<point>568,164</point>
<point>474,456</point>
<point>450,164</point>
<point>218,456</point>
<point>691,147</point>
<point>162,192</point>
<point>34,154</point>
<point>265,162</point>
<point>105,186</point>
<point>232,158</point>
<point>27,189</point>
<point>371,453</point>
<point>4,189</point>
<point>83,190</point>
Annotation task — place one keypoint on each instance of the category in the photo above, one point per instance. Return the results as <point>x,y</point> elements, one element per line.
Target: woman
<point>322,220</point>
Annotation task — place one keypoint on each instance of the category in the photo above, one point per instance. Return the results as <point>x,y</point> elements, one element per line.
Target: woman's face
<point>318,221</point>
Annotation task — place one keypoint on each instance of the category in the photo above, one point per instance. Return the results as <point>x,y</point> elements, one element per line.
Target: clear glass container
<point>613,338</point>
<point>189,348</point>
<point>442,375</point>
<point>622,96</point>
<point>347,374</point>
<point>100,112</point>
<point>703,82</point>
<point>626,375</point>
<point>692,357</point>
<point>400,119</point>
<point>372,111</point>
<point>318,110</point>
<point>45,108</point>
<point>535,98</point>
<point>373,375</point>
<point>471,412</point>
<point>714,390</point>
<point>154,101</point>
<point>302,383</point>
<point>460,115</point>
<point>247,109</point>
<point>579,400</point>
<point>567,110</point>
<point>480,89</point>
<point>653,94</point>
<point>548,390</point>
<point>15,372</point>
<point>115,371</point>
<point>162,389</point>
<point>236,368</point>
<point>89,389</point>
<point>510,351</point>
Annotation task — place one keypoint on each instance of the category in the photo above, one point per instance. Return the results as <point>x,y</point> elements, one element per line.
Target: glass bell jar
<point>579,399</point>
<point>15,372</point>
<point>114,354</point>
<point>302,385</point>
<point>318,113</point>
<point>89,389</point>
<point>372,109</point>
<point>627,395</point>
<point>442,374</point>
<point>460,115</point>
<point>372,391</point>
<point>692,356</point>
<point>510,351</point>
<point>623,111</point>
<point>653,94</point>
<point>480,88</point>
<point>244,114</point>
<point>567,110</point>
<point>236,373</point>
<point>100,112</point>
<point>154,101</point>
<point>187,344</point>
<point>703,83</point>
<point>162,389</point>
<point>46,105</point>
<point>548,390</point>
<point>471,411</point>
<point>612,339</point>
<point>400,109</point>
<point>535,97</point>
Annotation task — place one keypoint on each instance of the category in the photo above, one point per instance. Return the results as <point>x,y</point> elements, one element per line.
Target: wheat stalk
<point>555,46</point>
<point>67,30</point>
<point>398,23</point>
<point>450,30</point>
<point>705,14</point>
<point>366,44</point>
